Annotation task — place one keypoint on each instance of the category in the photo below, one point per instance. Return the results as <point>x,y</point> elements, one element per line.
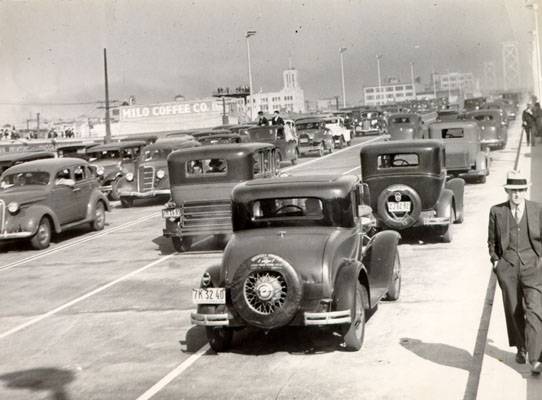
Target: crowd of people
<point>532,121</point>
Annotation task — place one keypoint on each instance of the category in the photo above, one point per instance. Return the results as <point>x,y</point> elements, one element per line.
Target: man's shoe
<point>536,368</point>
<point>521,356</point>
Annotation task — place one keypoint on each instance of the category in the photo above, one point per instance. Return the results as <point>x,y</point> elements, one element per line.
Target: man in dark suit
<point>515,248</point>
<point>277,119</point>
<point>262,121</point>
<point>528,121</point>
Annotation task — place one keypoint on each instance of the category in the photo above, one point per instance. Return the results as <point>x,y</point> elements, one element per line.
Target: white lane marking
<point>173,374</point>
<point>83,297</point>
<point>76,242</point>
<point>351,170</point>
<point>383,137</point>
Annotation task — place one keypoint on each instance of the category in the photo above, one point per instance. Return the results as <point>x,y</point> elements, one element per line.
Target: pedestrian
<point>277,119</point>
<point>262,121</point>
<point>515,249</point>
<point>537,113</point>
<point>529,123</point>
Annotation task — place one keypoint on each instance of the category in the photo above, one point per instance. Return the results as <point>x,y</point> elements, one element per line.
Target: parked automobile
<point>493,126</point>
<point>300,255</point>
<point>281,137</point>
<point>9,159</point>
<point>201,180</point>
<point>74,150</point>
<point>43,197</point>
<point>474,103</point>
<point>448,115</point>
<point>371,122</point>
<point>407,182</point>
<point>405,126</point>
<point>464,154</point>
<point>150,175</point>
<point>313,136</point>
<point>341,135</point>
<point>112,161</point>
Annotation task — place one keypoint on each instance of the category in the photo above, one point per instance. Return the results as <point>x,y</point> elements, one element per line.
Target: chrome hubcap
<point>265,292</point>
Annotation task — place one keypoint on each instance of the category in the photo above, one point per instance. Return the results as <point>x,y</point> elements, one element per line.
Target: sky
<point>51,51</point>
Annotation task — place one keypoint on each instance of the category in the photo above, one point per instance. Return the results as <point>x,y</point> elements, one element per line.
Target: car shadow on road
<point>419,236</point>
<point>139,203</point>
<point>51,380</point>
<point>194,340</point>
<point>165,245</point>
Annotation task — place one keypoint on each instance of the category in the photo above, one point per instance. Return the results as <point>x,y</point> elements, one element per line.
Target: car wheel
<point>42,238</point>
<point>331,147</point>
<point>355,332</point>
<point>126,203</point>
<point>99,217</point>
<point>114,193</point>
<point>321,150</point>
<point>482,179</point>
<point>341,142</point>
<point>394,290</point>
<point>181,244</point>
<point>219,338</point>
<point>447,236</point>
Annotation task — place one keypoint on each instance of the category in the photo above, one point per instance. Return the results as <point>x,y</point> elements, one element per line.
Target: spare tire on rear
<point>266,291</point>
<point>399,219</point>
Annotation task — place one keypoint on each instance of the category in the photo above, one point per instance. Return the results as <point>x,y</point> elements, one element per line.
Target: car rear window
<point>206,167</point>
<point>401,120</point>
<point>452,133</point>
<point>287,208</point>
<point>399,160</point>
<point>483,117</point>
<point>310,125</point>
<point>25,179</point>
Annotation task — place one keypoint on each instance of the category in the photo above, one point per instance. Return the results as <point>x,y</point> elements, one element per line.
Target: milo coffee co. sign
<point>130,113</point>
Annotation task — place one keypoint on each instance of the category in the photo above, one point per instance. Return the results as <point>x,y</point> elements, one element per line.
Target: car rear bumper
<point>144,195</point>
<point>307,148</point>
<point>222,319</point>
<point>327,318</point>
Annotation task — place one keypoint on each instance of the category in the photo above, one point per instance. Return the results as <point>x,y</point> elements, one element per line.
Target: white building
<point>390,93</point>
<point>460,81</point>
<point>289,99</point>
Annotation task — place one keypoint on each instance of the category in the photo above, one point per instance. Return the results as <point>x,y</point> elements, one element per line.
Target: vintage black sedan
<point>408,186</point>
<point>405,126</point>
<point>300,255</point>
<point>43,197</point>
<point>493,125</point>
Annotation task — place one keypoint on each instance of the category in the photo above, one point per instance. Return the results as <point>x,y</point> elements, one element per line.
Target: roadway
<point>106,315</point>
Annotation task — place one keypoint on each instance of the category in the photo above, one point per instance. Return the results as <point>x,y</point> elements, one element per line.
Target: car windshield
<point>155,154</point>
<point>484,117</point>
<point>452,133</point>
<point>308,125</point>
<point>397,160</point>
<point>24,179</point>
<point>401,120</point>
<point>262,134</point>
<point>126,154</point>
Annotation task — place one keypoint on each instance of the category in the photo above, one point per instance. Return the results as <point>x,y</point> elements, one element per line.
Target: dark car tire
<point>114,195</point>
<point>126,203</point>
<point>321,150</point>
<point>406,221</point>
<point>341,143</point>
<point>355,331</point>
<point>42,237</point>
<point>98,223</point>
<point>394,289</point>
<point>482,179</point>
<point>447,235</point>
<point>290,303</point>
<point>331,147</point>
<point>296,156</point>
<point>219,338</point>
<point>181,244</point>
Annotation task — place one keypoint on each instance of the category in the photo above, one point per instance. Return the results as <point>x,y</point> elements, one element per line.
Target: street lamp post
<point>538,83</point>
<point>341,51</point>
<point>251,101</point>
<point>412,78</point>
<point>378,57</point>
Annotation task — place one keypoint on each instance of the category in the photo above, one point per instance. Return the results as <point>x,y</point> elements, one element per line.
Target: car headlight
<point>129,177</point>
<point>100,170</point>
<point>13,207</point>
<point>160,174</point>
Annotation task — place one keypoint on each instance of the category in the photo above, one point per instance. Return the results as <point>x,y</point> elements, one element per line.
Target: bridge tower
<point>490,76</point>
<point>510,66</point>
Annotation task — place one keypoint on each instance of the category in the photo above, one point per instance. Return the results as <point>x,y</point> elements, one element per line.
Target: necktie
<point>516,214</point>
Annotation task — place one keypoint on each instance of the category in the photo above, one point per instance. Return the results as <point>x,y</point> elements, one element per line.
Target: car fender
<point>344,288</point>
<point>445,201</point>
<point>94,198</point>
<point>457,186</point>
<point>111,177</point>
<point>481,162</point>
<point>39,211</point>
<point>379,255</point>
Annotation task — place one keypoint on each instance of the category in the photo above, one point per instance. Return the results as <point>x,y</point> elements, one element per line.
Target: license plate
<point>209,296</point>
<point>171,213</point>
<point>303,140</point>
<point>401,206</point>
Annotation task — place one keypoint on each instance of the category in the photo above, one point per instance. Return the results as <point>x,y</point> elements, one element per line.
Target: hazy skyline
<point>51,51</point>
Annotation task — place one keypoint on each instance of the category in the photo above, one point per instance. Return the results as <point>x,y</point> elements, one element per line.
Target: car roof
<point>454,124</point>
<point>23,155</point>
<point>396,115</point>
<point>209,132</point>
<point>172,143</point>
<point>76,146</point>
<point>117,145</point>
<point>48,165</point>
<point>321,186</point>
<point>228,151</point>
<point>401,146</point>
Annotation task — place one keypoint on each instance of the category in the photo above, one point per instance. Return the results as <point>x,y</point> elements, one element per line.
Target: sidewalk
<point>501,377</point>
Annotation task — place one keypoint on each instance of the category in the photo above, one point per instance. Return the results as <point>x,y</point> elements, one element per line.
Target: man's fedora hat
<point>515,180</point>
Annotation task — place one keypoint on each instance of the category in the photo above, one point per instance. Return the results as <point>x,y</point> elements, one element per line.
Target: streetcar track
<point>84,239</point>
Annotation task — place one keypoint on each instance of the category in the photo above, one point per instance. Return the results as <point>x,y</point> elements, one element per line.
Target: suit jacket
<point>277,121</point>
<point>498,230</point>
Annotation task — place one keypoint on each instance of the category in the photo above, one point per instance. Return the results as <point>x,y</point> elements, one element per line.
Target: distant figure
<point>537,113</point>
<point>529,123</point>
<point>262,121</point>
<point>277,120</point>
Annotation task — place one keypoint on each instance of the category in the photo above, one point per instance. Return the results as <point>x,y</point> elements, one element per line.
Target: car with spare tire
<point>313,136</point>
<point>45,197</point>
<point>303,253</point>
<point>409,187</point>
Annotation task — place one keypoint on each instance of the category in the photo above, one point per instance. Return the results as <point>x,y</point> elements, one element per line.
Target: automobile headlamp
<point>13,207</point>
<point>100,170</point>
<point>129,177</point>
<point>160,174</point>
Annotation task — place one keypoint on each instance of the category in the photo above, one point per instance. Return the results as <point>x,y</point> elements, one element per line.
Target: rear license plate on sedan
<point>171,213</point>
<point>400,206</point>
<point>209,296</point>
<point>303,140</point>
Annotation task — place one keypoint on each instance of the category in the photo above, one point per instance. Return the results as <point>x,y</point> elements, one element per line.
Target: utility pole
<point>251,91</point>
<point>341,51</point>
<point>38,121</point>
<point>378,57</point>
<point>107,138</point>
<point>412,78</point>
